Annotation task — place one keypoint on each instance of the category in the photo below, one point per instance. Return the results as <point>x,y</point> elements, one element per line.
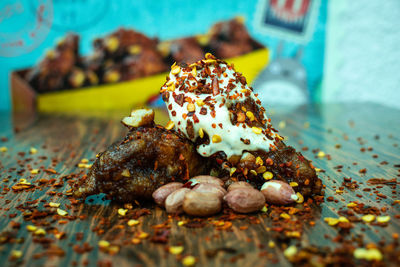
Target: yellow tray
<point>126,95</point>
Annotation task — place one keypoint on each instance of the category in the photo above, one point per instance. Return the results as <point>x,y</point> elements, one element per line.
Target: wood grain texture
<point>66,139</point>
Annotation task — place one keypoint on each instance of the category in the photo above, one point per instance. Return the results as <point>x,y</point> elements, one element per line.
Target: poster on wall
<point>290,23</point>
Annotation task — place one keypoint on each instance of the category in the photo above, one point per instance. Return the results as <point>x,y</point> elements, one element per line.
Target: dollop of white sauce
<point>230,134</point>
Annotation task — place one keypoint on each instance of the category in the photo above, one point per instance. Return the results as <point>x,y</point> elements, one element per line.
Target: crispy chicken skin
<point>148,157</point>
<point>285,163</point>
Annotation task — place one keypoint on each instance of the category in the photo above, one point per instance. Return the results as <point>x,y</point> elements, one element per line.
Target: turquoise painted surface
<point>165,19</point>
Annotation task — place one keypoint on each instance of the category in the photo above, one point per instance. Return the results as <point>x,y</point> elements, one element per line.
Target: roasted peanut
<point>207,179</point>
<point>139,117</point>
<point>201,204</point>
<point>245,200</point>
<point>240,184</point>
<point>164,191</point>
<point>210,188</point>
<point>278,192</point>
<point>173,203</point>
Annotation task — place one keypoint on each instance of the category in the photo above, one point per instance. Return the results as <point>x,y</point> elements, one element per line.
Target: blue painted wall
<point>166,19</point>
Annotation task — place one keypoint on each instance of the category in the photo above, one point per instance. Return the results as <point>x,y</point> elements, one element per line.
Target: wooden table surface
<point>351,138</point>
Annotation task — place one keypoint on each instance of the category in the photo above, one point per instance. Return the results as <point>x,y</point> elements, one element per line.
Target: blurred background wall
<point>353,43</point>
<point>362,56</point>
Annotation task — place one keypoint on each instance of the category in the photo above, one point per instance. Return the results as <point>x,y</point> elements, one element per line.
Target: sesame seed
<point>142,235</point>
<point>268,175</point>
<point>175,250</point>
<point>368,218</point>
<point>54,205</point>
<point>256,130</point>
<point>126,173</point>
<point>31,228</point>
<point>112,44</point>
<point>171,87</point>
<point>301,198</point>
<point>175,69</point>
<point>209,56</point>
<point>122,212</point>
<point>201,133</point>
<point>133,222</point>
<point>216,138</point>
<point>232,171</point>
<point>62,212</point>
<point>189,261</point>
<point>383,219</point>
<point>40,231</point>
<point>103,244</point>
<point>200,102</point>
<point>16,254</point>
<point>170,125</point>
<point>250,115</point>
<point>191,107</point>
<point>351,205</point>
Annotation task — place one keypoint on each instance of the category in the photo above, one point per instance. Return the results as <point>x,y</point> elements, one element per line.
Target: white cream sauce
<point>230,134</point>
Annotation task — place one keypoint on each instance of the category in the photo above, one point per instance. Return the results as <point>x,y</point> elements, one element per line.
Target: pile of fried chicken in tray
<point>218,141</point>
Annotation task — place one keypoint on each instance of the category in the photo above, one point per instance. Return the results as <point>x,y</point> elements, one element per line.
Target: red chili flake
<point>79,236</point>
<point>173,113</point>
<point>215,86</point>
<point>203,111</point>
<point>269,161</point>
<point>50,171</point>
<point>382,181</point>
<point>179,99</point>
<point>363,171</point>
<point>213,125</point>
<point>195,119</point>
<point>213,113</point>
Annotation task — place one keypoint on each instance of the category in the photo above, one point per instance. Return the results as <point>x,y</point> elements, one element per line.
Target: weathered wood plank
<point>65,140</point>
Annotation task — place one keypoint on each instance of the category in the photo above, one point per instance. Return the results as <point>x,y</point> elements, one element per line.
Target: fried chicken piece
<point>53,71</point>
<point>231,39</point>
<point>185,50</point>
<point>148,157</point>
<point>124,55</point>
<point>284,163</point>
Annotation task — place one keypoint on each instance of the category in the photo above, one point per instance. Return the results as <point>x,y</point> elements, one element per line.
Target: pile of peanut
<point>205,195</point>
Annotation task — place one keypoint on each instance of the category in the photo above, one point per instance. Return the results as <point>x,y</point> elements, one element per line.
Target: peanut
<point>245,200</point>
<point>207,179</point>
<point>173,203</point>
<point>278,192</point>
<point>210,188</point>
<point>139,117</point>
<point>239,185</point>
<point>201,204</point>
<point>164,191</point>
